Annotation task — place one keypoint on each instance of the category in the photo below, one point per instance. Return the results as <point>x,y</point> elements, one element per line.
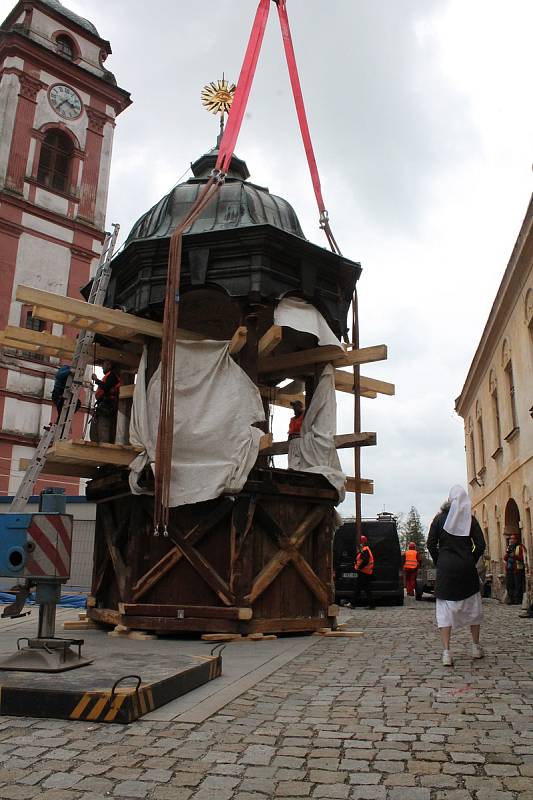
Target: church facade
<point>496,405</point>
<point>58,106</point>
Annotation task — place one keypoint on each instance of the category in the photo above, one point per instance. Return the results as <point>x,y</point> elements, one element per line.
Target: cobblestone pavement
<point>370,718</point>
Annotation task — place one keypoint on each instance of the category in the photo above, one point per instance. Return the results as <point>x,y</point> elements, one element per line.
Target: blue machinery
<point>35,549</point>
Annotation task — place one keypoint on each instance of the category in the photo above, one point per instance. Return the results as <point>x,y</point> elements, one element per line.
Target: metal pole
<point>356,415</point>
<point>47,621</point>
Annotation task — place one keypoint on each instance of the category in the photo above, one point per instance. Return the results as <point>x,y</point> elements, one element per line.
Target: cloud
<point>422,125</point>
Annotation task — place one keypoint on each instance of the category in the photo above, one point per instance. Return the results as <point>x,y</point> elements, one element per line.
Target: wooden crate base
<point>204,625</point>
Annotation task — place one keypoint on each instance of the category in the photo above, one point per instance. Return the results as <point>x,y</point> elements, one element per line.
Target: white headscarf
<point>459,517</point>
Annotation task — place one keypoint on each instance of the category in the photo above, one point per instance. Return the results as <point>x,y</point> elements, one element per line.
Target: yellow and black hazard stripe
<point>119,706</point>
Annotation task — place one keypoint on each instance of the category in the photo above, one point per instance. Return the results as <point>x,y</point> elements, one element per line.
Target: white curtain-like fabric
<point>292,312</point>
<point>315,450</point>
<point>215,407</point>
<point>459,519</point>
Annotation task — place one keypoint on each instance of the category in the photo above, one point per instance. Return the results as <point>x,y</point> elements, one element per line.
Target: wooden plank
<point>344,382</point>
<point>63,346</point>
<point>170,559</point>
<point>119,567</point>
<point>195,624</point>
<point>294,363</point>
<point>184,611</point>
<point>285,625</point>
<point>13,344</point>
<point>126,392</point>
<point>277,398</point>
<point>220,637</point>
<point>80,314</point>
<point>80,451</point>
<point>310,578</point>
<point>238,340</point>
<point>105,615</point>
<point>363,486</point>
<point>52,467</point>
<point>265,442</point>
<point>204,569</point>
<point>342,441</point>
<point>272,569</point>
<point>270,340</point>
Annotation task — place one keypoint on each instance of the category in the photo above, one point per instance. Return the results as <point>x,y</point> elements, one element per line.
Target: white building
<point>496,404</point>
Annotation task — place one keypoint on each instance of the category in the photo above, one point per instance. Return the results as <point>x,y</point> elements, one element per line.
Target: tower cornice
<point>15,43</point>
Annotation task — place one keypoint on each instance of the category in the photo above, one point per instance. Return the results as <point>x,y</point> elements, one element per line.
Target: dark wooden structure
<point>256,562</point>
<point>260,560</point>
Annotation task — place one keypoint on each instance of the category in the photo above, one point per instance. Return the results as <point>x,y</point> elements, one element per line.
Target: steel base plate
<point>116,688</point>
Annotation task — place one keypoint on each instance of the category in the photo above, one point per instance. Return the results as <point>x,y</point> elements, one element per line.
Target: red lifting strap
<point>244,84</point>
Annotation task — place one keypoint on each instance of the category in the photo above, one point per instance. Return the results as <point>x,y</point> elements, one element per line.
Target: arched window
<point>471,449</point>
<point>509,379</point>
<point>493,387</point>
<point>55,161</point>
<point>65,46</point>
<point>480,436</point>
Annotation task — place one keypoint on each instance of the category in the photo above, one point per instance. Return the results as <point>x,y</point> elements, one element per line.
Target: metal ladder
<point>61,428</point>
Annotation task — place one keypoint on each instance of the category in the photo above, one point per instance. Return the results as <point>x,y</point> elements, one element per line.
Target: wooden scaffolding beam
<point>342,441</point>
<point>344,383</point>
<point>61,346</point>
<point>289,364</point>
<point>107,321</point>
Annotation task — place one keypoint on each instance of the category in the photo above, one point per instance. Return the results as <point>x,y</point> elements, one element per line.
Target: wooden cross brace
<point>184,548</point>
<point>289,552</point>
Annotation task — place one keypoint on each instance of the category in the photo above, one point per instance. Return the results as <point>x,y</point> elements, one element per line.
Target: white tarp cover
<point>215,405</point>
<point>315,450</point>
<point>292,312</point>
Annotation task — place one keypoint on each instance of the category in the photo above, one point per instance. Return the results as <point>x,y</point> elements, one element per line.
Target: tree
<point>411,530</point>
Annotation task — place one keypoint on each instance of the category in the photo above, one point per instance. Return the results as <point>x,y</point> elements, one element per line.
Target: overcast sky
<point>422,122</point>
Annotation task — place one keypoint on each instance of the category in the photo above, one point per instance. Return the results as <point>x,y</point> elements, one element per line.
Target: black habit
<point>455,558</point>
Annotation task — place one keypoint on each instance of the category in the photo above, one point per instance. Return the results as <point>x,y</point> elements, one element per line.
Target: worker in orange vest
<point>411,563</point>
<point>364,566</point>
<point>104,419</point>
<point>295,424</point>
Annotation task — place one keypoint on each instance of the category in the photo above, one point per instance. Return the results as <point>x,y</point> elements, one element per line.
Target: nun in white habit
<point>455,543</point>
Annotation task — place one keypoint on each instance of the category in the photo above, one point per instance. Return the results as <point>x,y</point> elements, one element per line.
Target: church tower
<point>58,105</point>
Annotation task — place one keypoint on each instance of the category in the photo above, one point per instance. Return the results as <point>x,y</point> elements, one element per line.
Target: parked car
<point>425,580</point>
<point>382,534</point>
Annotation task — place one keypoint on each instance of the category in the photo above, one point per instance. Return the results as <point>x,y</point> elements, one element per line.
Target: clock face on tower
<point>65,101</point>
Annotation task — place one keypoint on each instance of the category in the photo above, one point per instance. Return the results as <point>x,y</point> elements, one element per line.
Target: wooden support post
<point>270,340</point>
<point>238,340</point>
<point>122,434</point>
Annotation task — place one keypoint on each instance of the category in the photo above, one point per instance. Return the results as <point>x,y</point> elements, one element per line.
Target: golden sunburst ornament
<point>217,96</point>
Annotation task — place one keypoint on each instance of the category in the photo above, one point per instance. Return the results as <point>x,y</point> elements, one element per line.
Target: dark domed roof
<point>236,204</point>
<point>66,12</point>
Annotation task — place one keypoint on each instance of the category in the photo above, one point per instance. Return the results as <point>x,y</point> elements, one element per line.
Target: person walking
<point>455,543</point>
<point>364,566</point>
<point>515,570</point>
<point>411,564</point>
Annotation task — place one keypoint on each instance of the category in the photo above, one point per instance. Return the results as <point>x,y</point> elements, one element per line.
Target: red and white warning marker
<point>49,546</point>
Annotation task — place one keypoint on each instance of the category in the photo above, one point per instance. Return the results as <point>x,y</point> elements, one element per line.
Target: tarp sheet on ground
<point>66,601</point>
<point>215,407</point>
<point>315,450</point>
